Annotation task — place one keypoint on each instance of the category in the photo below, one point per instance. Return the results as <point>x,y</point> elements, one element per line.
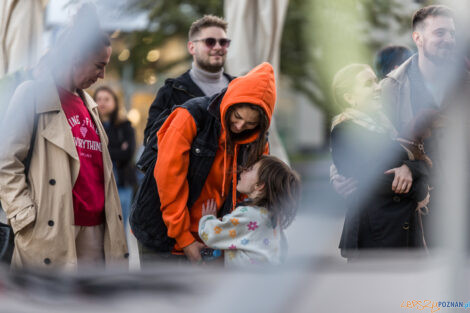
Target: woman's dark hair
<point>281,191</point>
<point>115,113</point>
<point>256,148</point>
<point>430,10</point>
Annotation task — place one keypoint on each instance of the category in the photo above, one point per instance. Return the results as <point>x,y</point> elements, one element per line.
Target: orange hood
<point>257,87</point>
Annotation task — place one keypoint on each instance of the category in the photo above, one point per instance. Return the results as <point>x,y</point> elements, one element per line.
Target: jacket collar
<point>89,102</point>
<point>185,83</point>
<point>229,77</point>
<point>400,73</point>
<point>57,129</point>
<point>48,97</point>
<point>214,103</point>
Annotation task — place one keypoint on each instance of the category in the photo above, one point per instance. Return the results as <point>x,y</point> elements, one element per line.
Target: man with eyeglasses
<point>208,44</point>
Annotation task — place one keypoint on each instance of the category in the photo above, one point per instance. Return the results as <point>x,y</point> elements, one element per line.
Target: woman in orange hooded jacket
<point>235,124</point>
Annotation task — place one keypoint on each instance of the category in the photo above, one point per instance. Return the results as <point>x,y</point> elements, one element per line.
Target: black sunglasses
<point>210,42</point>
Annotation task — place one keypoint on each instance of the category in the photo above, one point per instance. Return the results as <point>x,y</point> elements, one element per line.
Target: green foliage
<point>170,18</point>
<point>167,19</point>
<point>296,60</point>
<point>322,36</point>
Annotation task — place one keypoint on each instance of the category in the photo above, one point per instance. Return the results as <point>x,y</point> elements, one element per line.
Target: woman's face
<point>243,118</point>
<point>87,72</point>
<point>365,95</point>
<point>105,101</point>
<point>249,180</point>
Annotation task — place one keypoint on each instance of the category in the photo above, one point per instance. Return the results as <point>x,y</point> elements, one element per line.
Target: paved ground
<point>317,227</point>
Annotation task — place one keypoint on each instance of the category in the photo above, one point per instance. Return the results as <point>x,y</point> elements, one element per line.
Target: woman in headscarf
<point>382,210</point>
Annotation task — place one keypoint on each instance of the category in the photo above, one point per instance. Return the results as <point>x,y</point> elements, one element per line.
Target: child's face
<point>248,180</point>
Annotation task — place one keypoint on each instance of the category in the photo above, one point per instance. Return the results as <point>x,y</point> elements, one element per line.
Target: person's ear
<point>417,38</point>
<point>191,48</point>
<point>259,187</point>
<point>349,98</point>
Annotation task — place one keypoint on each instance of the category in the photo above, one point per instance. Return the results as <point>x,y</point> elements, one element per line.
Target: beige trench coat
<point>41,211</point>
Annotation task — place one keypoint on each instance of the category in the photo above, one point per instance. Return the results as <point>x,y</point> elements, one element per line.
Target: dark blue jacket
<point>176,91</point>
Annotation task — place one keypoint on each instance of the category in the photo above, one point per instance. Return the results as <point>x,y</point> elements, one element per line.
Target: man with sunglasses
<point>208,44</point>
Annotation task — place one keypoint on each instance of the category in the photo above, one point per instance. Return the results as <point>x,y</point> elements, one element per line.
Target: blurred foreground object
<point>256,39</point>
<point>21,28</point>
<point>382,284</point>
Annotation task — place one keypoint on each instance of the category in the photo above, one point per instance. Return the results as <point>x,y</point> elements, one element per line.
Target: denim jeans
<point>125,195</point>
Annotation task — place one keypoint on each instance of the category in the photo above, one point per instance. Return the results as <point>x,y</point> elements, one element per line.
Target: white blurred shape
<point>255,27</point>
<point>21,28</point>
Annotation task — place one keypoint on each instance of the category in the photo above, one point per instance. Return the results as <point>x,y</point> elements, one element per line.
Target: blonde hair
<point>344,81</point>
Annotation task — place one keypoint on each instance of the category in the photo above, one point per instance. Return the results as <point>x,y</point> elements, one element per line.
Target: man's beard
<point>440,60</point>
<point>213,68</point>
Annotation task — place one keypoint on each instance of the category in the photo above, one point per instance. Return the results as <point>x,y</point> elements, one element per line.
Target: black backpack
<point>146,196</point>
<point>146,216</point>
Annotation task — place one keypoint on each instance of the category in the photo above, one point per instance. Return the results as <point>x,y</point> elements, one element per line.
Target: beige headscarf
<point>378,123</point>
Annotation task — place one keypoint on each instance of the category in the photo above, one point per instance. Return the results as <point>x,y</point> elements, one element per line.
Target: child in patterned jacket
<point>253,232</point>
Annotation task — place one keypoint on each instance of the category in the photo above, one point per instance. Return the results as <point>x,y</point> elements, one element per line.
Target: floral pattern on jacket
<point>248,235</point>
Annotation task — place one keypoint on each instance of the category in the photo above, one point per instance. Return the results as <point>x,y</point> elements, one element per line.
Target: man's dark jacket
<point>175,91</point>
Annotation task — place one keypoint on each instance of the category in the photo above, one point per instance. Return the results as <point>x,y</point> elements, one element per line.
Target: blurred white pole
<point>451,215</point>
<point>21,28</point>
<point>255,27</point>
<point>451,220</point>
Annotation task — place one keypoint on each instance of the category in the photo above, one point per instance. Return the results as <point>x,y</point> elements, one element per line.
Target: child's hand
<point>210,208</point>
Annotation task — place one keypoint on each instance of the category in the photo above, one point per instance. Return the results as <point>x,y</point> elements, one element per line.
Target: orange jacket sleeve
<point>174,144</point>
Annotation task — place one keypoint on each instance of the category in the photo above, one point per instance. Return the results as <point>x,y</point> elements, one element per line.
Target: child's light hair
<point>281,191</point>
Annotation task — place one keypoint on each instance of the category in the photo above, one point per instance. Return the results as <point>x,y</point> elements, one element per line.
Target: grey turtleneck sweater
<point>210,83</point>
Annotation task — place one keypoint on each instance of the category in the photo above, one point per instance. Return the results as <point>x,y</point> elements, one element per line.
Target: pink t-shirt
<point>88,191</point>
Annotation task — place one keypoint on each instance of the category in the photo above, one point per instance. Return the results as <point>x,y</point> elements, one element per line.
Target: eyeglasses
<point>210,42</point>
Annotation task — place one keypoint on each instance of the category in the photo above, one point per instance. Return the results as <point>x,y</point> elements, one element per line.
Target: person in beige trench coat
<point>40,207</point>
